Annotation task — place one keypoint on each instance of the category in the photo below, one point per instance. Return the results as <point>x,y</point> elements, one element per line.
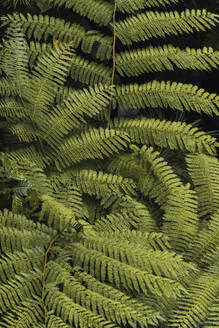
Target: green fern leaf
<point>41,27</point>
<point>167,94</point>
<point>12,239</point>
<point>114,310</point>
<point>58,215</point>
<point>55,322</point>
<point>74,314</point>
<point>22,287</point>
<point>95,143</point>
<point>158,179</point>
<point>212,317</point>
<point>90,73</point>
<point>151,59</point>
<point>121,225</point>
<point>130,6</point>
<point>131,278</point>
<point>203,249</point>
<point>102,184</point>
<point>7,88</point>
<point>130,214</point>
<point>83,70</point>
<point>36,49</point>
<point>180,218</point>
<point>153,240</point>
<point>24,131</point>
<point>99,11</point>
<point>12,107</point>
<point>193,308</point>
<point>15,62</point>
<point>29,171</point>
<point>29,313</point>
<point>151,24</point>
<point>18,221</point>
<point>104,51</point>
<point>162,263</point>
<point>50,72</point>
<point>70,114</point>
<point>167,134</point>
<point>30,154</point>
<point>204,171</point>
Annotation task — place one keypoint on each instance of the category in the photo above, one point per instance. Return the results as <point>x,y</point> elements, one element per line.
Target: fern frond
<point>63,93</point>
<point>70,114</point>
<point>203,248</point>
<point>55,322</point>
<point>156,59</point>
<point>29,313</point>
<point>212,317</point>
<point>116,233</point>
<point>161,176</point>
<point>13,239</point>
<point>130,6</point>
<point>95,143</point>
<point>152,240</point>
<point>15,62</point>
<point>11,107</point>
<point>43,26</point>
<point>20,222</point>
<point>107,290</point>
<point>48,74</point>
<point>111,309</point>
<point>130,214</point>
<point>72,313</point>
<point>24,131</point>
<point>90,73</point>
<point>126,165</point>
<point>167,94</point>
<point>30,153</point>
<point>125,275</point>
<point>99,11</point>
<point>151,24</point>
<point>176,160</point>
<point>114,222</point>
<point>83,70</point>
<point>204,171</point>
<point>29,171</point>
<point>12,264</point>
<point>19,289</point>
<point>15,3</point>
<point>67,193</point>
<point>6,87</point>
<point>147,182</point>
<point>106,187</point>
<point>167,134</point>
<point>43,5</point>
<point>17,203</point>
<point>35,49</point>
<point>100,183</point>
<point>180,218</point>
<point>102,42</point>
<point>162,263</point>
<point>57,214</point>
<point>193,308</point>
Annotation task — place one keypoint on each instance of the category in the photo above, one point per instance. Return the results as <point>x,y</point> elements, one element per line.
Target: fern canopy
<point>113,222</point>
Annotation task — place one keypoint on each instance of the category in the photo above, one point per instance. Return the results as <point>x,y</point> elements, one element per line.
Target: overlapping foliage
<point>110,225</point>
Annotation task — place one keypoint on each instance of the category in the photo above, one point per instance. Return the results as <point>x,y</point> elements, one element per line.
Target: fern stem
<point>114,61</point>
